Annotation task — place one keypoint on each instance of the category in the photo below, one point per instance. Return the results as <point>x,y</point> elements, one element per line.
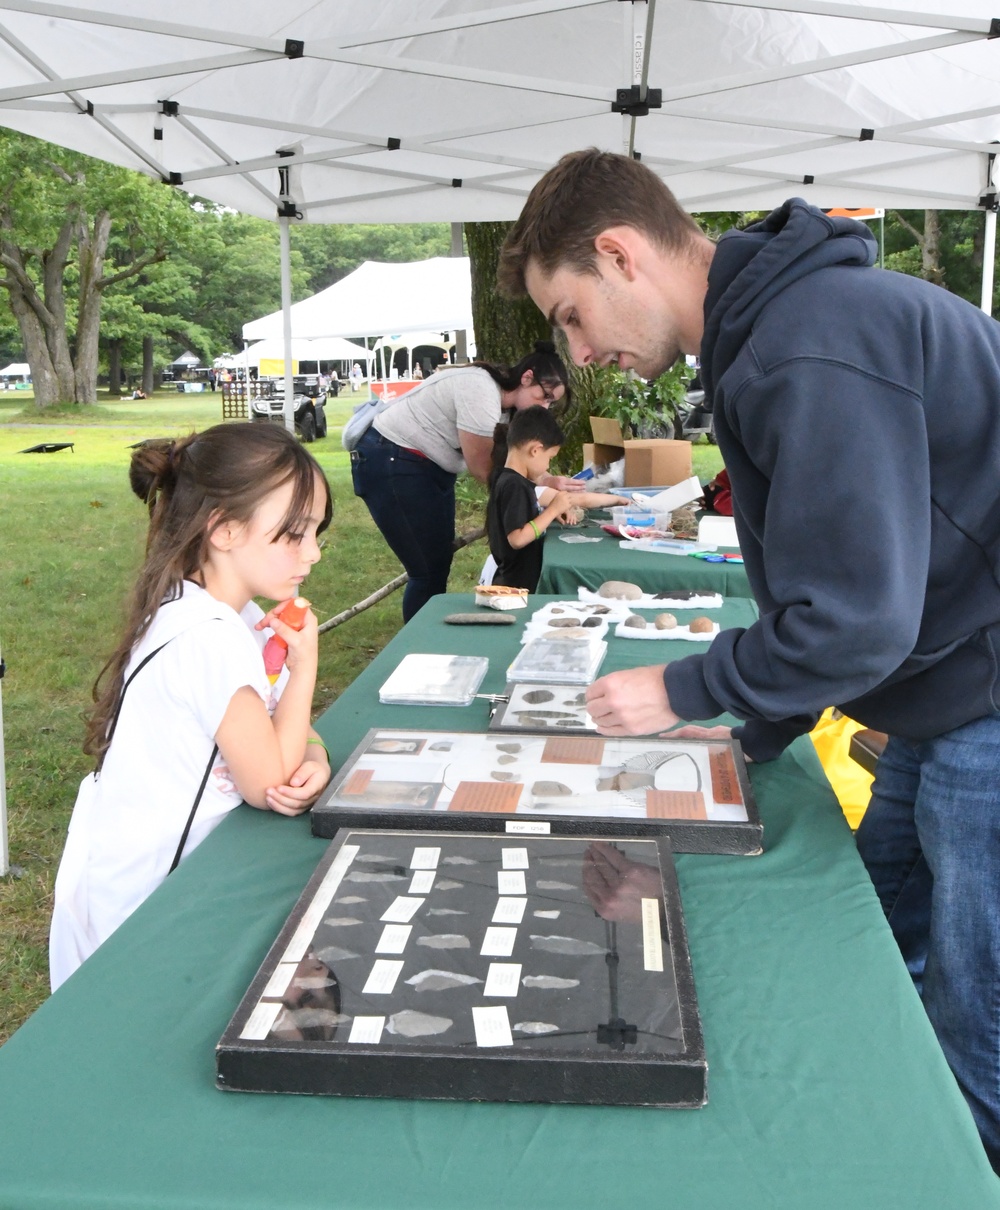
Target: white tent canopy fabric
<point>16,369</point>
<point>378,298</point>
<point>332,348</point>
<point>449,110</point>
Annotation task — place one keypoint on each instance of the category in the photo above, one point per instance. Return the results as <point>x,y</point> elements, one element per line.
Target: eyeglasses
<point>549,391</point>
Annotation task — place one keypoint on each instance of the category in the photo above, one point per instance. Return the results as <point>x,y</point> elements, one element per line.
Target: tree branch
<point>917,235</point>
<point>152,258</point>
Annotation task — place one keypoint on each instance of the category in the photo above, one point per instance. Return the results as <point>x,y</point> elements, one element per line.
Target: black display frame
<point>613,1076</point>
<point>706,836</point>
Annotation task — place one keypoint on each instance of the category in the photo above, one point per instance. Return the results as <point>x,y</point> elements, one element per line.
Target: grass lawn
<point>71,536</point>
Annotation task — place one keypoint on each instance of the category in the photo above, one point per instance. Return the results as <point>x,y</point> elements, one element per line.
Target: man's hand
<point>561,483</point>
<point>633,702</point>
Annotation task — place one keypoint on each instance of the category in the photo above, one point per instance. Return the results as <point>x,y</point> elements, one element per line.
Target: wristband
<point>536,529</point>
<point>311,740</point>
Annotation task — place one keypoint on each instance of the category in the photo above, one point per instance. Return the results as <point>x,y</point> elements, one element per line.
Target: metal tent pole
<point>286,320</point>
<point>989,261</point>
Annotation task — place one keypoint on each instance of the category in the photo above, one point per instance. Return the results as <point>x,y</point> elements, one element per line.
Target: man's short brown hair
<point>584,194</point>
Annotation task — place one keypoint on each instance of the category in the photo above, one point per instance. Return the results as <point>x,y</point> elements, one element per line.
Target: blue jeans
<point>930,840</point>
<point>412,501</point>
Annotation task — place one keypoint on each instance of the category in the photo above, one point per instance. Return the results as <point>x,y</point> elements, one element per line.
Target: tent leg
<point>4,845</point>
<point>286,320</point>
<point>989,259</point>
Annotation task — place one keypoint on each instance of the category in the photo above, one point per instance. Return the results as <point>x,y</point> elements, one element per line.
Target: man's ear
<point>617,248</point>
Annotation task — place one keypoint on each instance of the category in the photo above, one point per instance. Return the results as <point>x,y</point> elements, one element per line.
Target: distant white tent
<point>330,348</point>
<point>16,369</point>
<point>378,298</point>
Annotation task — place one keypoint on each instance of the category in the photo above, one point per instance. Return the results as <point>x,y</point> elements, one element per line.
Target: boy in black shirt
<point>515,526</point>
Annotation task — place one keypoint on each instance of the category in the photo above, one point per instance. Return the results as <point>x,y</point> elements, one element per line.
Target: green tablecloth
<point>567,565</point>
<point>827,1089</point>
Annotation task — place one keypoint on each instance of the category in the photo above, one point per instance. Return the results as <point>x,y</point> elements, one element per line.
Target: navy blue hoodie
<point>858,413</point>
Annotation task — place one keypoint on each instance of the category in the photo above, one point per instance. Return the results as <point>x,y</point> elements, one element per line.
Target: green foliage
<point>330,252</point>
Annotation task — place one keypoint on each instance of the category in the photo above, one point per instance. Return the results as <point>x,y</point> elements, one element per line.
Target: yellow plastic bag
<point>853,785</point>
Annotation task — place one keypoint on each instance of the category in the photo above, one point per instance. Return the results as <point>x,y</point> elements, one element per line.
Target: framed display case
<point>695,791</point>
<point>464,966</point>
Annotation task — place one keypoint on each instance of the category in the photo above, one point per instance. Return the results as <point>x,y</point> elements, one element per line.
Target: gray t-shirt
<point>428,417</point>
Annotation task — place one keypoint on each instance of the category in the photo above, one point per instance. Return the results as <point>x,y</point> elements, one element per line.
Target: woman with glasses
<point>405,465</point>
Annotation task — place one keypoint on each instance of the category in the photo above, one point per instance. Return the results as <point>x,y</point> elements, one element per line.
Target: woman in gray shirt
<point>405,465</point>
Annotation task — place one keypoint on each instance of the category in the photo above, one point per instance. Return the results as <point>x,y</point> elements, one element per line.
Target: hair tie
<point>545,346</point>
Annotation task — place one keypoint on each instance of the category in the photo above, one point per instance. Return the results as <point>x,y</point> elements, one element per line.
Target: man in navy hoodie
<point>858,414</point>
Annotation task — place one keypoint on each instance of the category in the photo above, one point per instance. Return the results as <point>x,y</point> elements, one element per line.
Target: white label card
<point>261,1020</point>
<point>498,942</point>
<point>394,938</point>
<point>509,911</point>
<point>527,827</point>
<point>425,859</point>
<point>422,882</point>
<point>366,1029</point>
<point>401,910</point>
<point>515,859</point>
<point>511,882</point>
<point>504,979</point>
<point>652,945</point>
<point>383,978</point>
<point>492,1026</point>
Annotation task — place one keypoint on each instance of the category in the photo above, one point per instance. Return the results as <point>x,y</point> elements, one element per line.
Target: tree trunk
<point>930,249</point>
<point>114,367</point>
<point>147,365</point>
<point>93,244</point>
<point>505,330</point>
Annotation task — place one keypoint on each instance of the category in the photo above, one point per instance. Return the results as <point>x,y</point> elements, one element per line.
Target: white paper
<point>422,882</point>
<point>394,938</point>
<point>511,882</point>
<point>528,828</point>
<point>674,497</point>
<point>509,911</point>
<point>721,530</point>
<point>425,859</point>
<point>383,977</point>
<point>261,1020</point>
<point>279,981</point>
<point>652,946</point>
<point>515,859</point>
<point>402,909</point>
<point>366,1029</point>
<point>492,1026</point>
<point>504,979</point>
<point>497,942</point>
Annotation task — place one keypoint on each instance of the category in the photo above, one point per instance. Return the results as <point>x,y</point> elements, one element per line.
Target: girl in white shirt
<point>186,724</point>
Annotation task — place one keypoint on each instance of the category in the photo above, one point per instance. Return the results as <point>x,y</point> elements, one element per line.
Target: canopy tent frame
<point>376,161</point>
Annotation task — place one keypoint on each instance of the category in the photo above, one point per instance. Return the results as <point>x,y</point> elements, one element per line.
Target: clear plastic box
<point>621,515</point>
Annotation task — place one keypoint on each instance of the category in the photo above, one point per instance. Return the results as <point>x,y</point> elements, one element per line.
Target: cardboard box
<point>648,463</point>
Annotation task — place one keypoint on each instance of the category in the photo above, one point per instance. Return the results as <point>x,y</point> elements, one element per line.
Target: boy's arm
<point>585,499</point>
<point>533,530</point>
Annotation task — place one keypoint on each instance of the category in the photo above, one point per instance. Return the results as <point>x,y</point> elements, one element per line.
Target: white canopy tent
<point>16,369</point>
<point>331,348</point>
<point>378,298</point>
<point>450,110</point>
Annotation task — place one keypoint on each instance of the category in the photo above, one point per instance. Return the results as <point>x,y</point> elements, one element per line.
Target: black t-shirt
<point>513,504</point>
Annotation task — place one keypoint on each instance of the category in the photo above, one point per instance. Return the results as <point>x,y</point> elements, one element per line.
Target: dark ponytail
<point>545,364</point>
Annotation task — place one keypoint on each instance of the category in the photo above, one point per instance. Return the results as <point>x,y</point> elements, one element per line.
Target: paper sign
<point>498,942</point>
<point>511,882</point>
<point>422,882</point>
<point>527,827</point>
<point>394,938</point>
<point>261,1020</point>
<point>383,977</point>
<point>504,979</point>
<point>515,859</point>
<point>402,909</point>
<point>425,859</point>
<point>652,946</point>
<point>509,911</point>
<point>492,1026</point>
<point>366,1029</point>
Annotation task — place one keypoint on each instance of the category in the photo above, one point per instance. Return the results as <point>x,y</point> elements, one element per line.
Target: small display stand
<point>695,791</point>
<point>472,967</point>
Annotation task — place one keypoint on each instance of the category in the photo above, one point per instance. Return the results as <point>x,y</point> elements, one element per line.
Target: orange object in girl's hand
<point>293,614</point>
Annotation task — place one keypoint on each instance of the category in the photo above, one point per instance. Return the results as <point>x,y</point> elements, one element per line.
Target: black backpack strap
<point>121,698</point>
<point>194,808</point>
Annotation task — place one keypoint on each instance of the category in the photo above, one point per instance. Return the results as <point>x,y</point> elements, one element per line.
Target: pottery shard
<point>535,697</point>
<point>665,621</point>
<point>562,623</point>
<point>701,626</point>
<point>550,789</point>
<point>509,747</point>
<point>635,621</point>
<point>590,623</point>
<point>506,760</point>
<point>620,590</point>
<point>498,776</point>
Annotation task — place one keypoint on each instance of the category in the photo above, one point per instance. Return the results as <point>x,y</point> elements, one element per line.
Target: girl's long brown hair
<point>191,486</point>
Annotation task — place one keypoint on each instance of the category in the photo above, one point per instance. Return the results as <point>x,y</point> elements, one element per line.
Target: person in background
<point>406,464</point>
<point>515,525</point>
<point>186,724</point>
<point>858,414</point>
<point>719,494</point>
<point>211,379</point>
<point>355,378</point>
<point>417,371</point>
